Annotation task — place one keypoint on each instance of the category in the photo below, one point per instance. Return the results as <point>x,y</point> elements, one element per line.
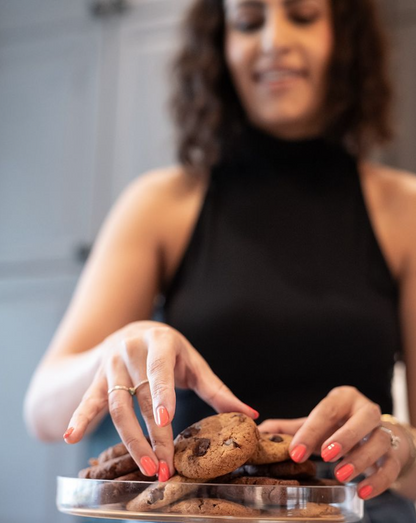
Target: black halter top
<point>283,287</point>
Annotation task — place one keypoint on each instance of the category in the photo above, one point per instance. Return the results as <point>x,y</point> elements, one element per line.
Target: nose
<point>277,33</point>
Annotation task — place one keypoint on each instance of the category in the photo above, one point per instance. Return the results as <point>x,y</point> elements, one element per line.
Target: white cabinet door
<point>30,310</point>
<point>144,135</point>
<point>27,14</point>
<point>48,104</point>
<point>49,82</point>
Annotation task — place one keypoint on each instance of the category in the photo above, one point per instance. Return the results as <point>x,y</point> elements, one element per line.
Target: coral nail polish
<point>162,417</point>
<point>254,412</point>
<point>365,492</point>
<point>163,474</point>
<point>148,466</point>
<point>331,451</point>
<point>344,472</point>
<point>298,453</point>
<point>68,432</point>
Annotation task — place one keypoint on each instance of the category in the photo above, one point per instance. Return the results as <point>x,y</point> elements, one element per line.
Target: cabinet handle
<point>106,8</point>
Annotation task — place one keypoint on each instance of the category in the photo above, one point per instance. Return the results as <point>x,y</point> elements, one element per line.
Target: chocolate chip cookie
<point>212,507</point>
<point>311,510</point>
<point>112,452</point>
<point>159,495</point>
<point>215,445</point>
<point>335,494</point>
<point>257,490</point>
<point>113,469</point>
<point>271,448</point>
<point>283,470</point>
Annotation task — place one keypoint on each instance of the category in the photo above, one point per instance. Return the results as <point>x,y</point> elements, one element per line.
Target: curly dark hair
<point>206,107</point>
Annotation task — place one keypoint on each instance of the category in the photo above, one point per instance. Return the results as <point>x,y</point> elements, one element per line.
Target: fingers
<point>281,426</point>
<point>213,391</point>
<point>345,414</point>
<point>170,355</point>
<point>161,437</point>
<point>156,418</point>
<point>92,404</point>
<point>120,404</point>
<point>382,479</point>
<point>353,431</point>
<point>222,399</point>
<point>162,356</point>
<point>363,456</point>
<point>346,425</point>
<point>163,346</point>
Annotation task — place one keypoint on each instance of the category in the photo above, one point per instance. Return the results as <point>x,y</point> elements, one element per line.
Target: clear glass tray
<point>110,499</point>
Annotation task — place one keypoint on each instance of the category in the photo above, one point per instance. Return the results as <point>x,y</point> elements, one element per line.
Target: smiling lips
<point>278,76</point>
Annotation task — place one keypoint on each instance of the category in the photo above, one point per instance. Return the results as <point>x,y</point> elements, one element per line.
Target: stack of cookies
<point>225,467</point>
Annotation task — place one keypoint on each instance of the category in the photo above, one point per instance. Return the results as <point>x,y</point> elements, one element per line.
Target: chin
<point>291,123</point>
<point>287,127</point>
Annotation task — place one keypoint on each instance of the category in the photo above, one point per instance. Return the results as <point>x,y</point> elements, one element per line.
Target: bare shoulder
<point>162,187</point>
<point>159,210</point>
<point>394,184</point>
<point>394,189</point>
<point>393,193</point>
<point>154,198</point>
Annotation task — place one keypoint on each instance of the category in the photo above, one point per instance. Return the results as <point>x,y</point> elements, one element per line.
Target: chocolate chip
<point>189,432</point>
<point>201,446</point>
<point>156,495</point>
<point>276,439</point>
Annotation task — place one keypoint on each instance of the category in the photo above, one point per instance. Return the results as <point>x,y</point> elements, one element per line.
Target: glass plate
<point>110,499</point>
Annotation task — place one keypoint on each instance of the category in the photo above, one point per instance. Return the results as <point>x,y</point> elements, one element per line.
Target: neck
<point>291,132</point>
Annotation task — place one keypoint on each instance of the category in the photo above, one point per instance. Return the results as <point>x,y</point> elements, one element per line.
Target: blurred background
<point>83,90</point>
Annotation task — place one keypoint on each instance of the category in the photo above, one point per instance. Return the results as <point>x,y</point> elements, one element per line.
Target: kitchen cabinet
<point>24,18</point>
<point>30,308</point>
<point>82,112</point>
<point>48,106</point>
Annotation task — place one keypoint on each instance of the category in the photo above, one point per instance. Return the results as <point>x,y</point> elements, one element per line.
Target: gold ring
<point>130,390</point>
<point>394,440</point>
<point>137,386</point>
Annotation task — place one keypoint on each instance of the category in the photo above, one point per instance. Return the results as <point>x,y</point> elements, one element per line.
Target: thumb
<point>214,392</point>
<point>282,426</point>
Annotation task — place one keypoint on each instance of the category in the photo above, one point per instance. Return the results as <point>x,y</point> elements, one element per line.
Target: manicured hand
<point>156,358</point>
<point>345,427</point>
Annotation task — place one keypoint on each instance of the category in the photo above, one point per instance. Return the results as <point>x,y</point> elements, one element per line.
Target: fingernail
<point>148,466</point>
<point>298,453</point>
<point>254,413</point>
<point>163,474</point>
<point>162,417</point>
<point>365,492</point>
<point>68,432</point>
<point>344,472</point>
<point>331,451</point>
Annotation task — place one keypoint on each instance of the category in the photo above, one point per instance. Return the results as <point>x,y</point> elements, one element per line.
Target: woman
<point>286,262</point>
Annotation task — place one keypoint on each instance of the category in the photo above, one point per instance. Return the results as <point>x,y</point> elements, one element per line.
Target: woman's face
<point>278,52</point>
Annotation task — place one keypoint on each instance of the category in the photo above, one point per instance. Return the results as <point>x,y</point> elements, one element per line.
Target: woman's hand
<point>159,358</point>
<point>345,426</point>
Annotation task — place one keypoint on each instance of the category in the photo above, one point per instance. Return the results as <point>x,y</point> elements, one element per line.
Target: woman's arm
<point>345,426</point>
<point>106,339</point>
<point>407,216</point>
<point>117,287</point>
